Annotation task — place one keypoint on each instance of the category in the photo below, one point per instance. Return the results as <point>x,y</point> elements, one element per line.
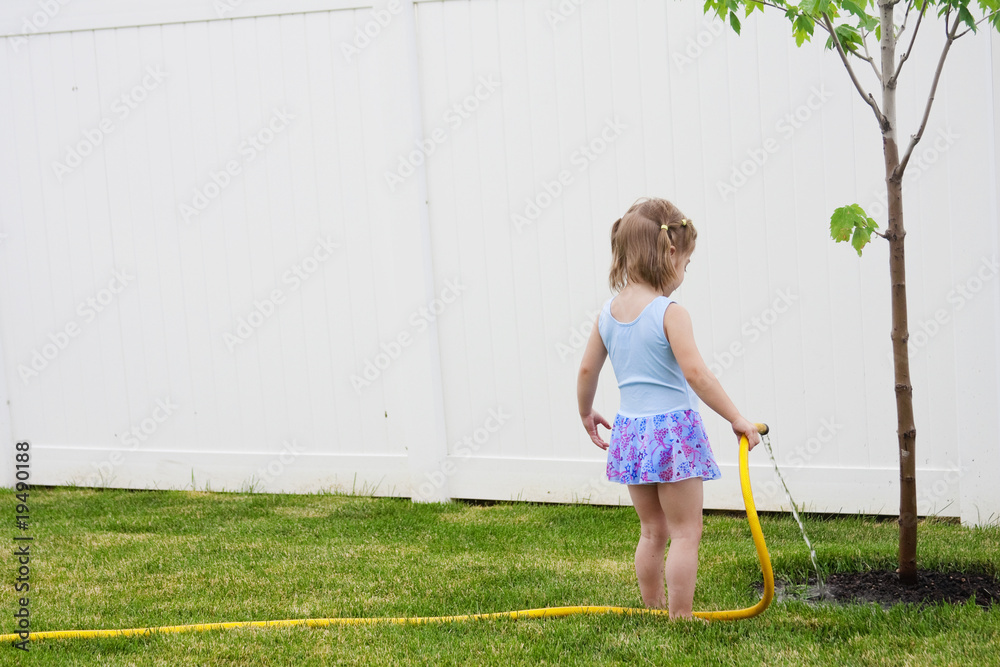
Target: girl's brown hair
<point>640,245</point>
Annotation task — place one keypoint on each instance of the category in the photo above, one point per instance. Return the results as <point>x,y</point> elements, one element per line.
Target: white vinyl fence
<point>315,244</point>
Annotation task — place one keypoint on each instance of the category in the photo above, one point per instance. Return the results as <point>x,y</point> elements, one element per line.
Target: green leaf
<point>842,224</point>
<point>851,223</point>
<point>814,7</point>
<point>868,23</point>
<point>990,8</point>
<point>720,7</point>
<point>966,17</point>
<point>861,238</point>
<point>734,21</point>
<point>849,38</point>
<point>803,28</point>
<point>854,8</point>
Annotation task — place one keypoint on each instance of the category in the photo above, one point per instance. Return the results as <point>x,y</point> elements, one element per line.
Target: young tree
<point>849,24</point>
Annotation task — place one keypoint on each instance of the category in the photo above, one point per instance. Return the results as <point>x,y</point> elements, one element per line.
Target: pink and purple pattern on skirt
<point>660,448</point>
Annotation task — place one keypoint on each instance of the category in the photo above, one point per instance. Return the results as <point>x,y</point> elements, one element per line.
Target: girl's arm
<point>680,334</point>
<point>586,385</point>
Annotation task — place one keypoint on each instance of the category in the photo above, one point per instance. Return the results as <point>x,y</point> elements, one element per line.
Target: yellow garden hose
<point>758,541</point>
<point>546,612</point>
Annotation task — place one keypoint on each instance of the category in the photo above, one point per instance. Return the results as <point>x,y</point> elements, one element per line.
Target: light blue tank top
<point>649,378</point>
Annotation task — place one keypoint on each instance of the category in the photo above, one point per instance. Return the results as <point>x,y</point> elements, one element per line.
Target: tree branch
<point>916,29</point>
<point>906,16</point>
<point>867,97</point>
<point>771,4</point>
<point>950,34</point>
<point>868,57</point>
<point>985,18</point>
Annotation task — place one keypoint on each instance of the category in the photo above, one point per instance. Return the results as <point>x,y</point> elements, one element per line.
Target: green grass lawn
<point>115,559</point>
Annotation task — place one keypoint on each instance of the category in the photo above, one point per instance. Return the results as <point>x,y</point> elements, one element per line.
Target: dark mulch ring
<point>884,588</point>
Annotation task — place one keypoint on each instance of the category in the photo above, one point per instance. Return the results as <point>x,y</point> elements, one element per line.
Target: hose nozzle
<point>762,428</point>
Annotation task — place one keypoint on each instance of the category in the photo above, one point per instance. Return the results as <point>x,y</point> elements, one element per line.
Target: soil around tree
<point>884,588</point>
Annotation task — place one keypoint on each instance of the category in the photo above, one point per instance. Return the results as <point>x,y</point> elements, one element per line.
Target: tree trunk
<point>906,430</point>
<point>895,233</point>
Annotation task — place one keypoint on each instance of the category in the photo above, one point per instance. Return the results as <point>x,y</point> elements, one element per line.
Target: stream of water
<point>821,590</point>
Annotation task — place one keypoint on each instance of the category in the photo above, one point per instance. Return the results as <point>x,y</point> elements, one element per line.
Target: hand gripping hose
<point>545,612</point>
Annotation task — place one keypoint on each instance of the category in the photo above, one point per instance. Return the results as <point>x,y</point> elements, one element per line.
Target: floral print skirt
<point>660,448</point>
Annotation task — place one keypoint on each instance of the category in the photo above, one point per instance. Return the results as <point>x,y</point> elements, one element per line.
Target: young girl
<point>658,443</point>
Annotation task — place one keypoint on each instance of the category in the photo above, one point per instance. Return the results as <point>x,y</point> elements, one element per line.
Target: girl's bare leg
<point>682,506</point>
<point>653,535</point>
<point>671,511</point>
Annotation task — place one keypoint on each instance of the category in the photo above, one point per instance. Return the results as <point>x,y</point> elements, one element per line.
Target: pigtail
<point>616,277</point>
<point>664,267</point>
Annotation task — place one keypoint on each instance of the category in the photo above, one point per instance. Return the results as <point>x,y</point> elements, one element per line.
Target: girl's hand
<point>742,426</point>
<point>590,422</point>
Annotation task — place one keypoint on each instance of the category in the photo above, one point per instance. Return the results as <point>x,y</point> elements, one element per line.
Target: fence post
<point>417,390</point>
<point>6,430</point>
